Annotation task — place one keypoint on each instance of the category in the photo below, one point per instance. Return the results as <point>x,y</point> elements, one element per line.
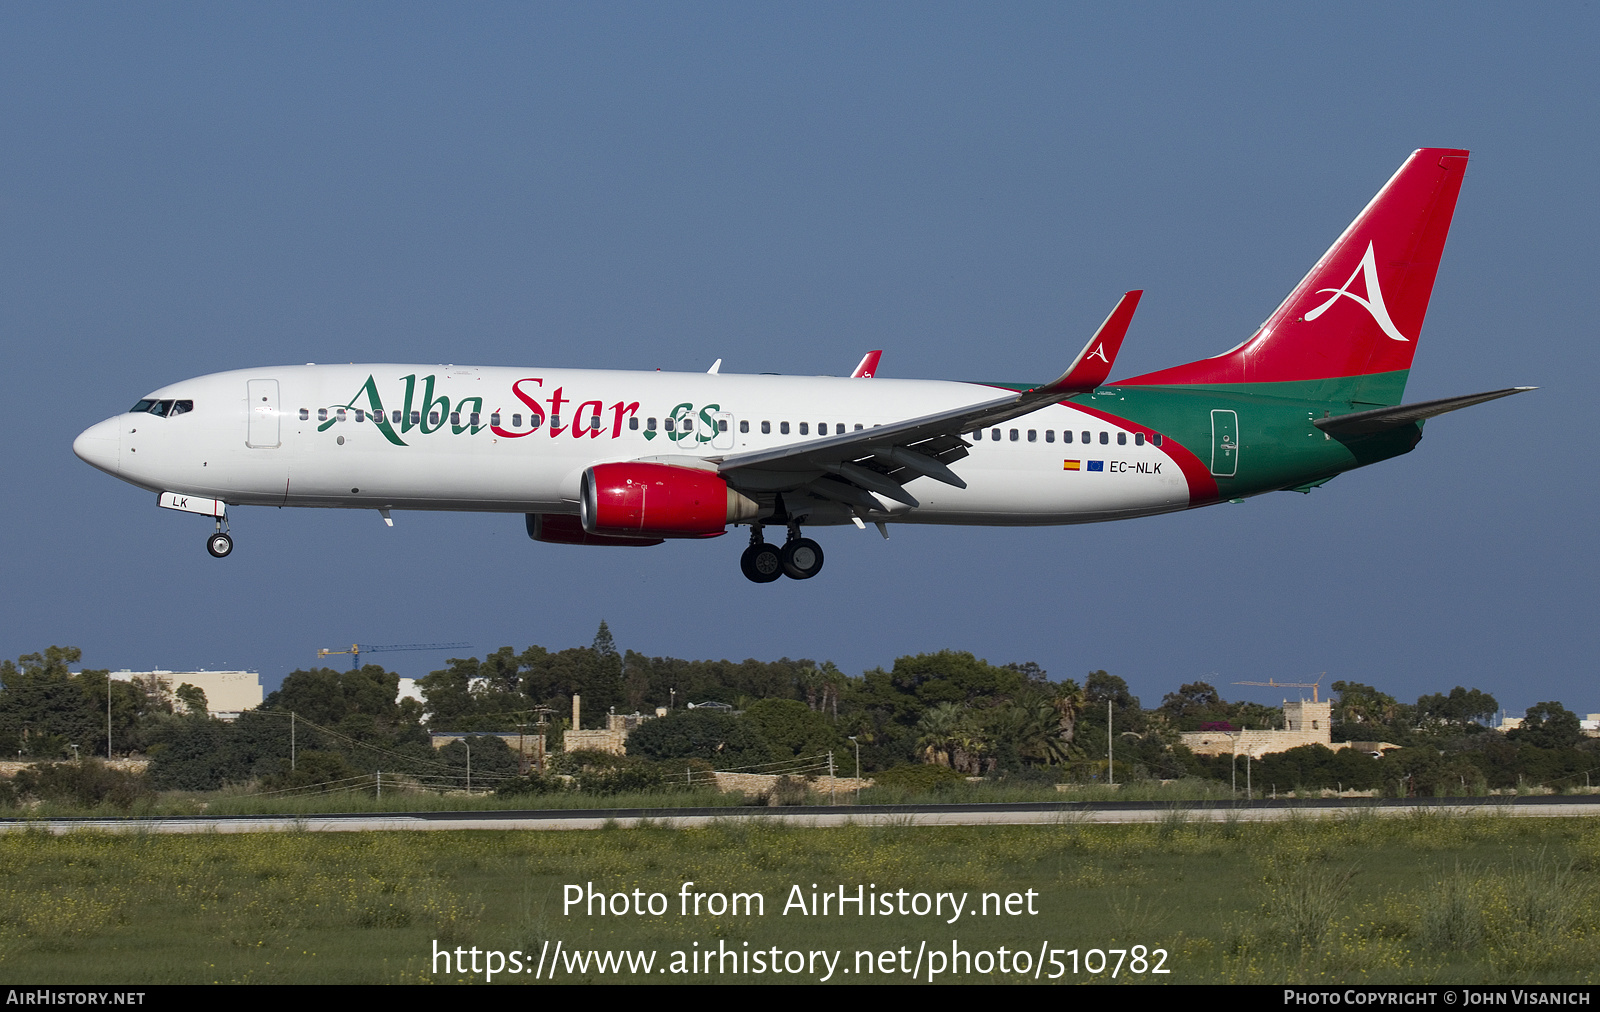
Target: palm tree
<point>942,729</point>
<point>1068,703</point>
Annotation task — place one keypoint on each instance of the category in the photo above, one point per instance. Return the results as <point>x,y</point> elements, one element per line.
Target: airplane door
<point>1224,443</point>
<point>262,397</point>
<point>722,438</point>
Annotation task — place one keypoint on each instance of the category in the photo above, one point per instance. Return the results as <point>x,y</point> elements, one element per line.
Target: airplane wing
<point>851,468</point>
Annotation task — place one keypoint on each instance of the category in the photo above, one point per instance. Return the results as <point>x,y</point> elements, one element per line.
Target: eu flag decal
<point>1096,465</point>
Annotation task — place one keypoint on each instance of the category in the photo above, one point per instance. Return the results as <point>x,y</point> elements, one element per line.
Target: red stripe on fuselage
<point>1202,486</point>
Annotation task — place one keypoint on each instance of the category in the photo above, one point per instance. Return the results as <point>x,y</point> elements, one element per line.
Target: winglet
<point>1093,363</point>
<point>868,367</point>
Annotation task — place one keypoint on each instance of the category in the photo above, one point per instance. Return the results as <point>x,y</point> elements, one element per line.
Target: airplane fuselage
<point>415,437</point>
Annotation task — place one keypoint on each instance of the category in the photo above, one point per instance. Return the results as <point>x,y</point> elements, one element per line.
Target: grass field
<point>1421,898</point>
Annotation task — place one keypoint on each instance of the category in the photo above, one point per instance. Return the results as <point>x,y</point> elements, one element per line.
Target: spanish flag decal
<point>1071,465</point>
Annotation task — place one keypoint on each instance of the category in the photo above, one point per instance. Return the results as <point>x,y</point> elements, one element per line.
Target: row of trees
<point>946,709</point>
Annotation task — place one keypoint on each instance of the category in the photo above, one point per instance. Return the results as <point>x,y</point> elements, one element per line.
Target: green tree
<point>794,730</point>
<point>1548,725</point>
<point>719,738</point>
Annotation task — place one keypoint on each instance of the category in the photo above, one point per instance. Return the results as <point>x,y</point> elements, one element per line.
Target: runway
<point>827,816</point>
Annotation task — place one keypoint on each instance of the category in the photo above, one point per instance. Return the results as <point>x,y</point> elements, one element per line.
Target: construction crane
<point>1291,685</point>
<point>357,649</point>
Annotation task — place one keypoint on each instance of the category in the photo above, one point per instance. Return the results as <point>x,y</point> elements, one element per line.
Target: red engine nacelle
<point>659,501</point>
<point>566,529</point>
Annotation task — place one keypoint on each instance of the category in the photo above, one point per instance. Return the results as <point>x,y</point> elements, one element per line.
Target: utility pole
<point>108,717</point>
<point>857,744</point>
<point>469,765</point>
<point>1111,768</point>
<point>291,741</point>
<point>832,782</point>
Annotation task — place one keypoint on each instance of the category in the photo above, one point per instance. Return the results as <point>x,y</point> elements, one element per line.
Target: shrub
<point>918,777</point>
<point>89,783</point>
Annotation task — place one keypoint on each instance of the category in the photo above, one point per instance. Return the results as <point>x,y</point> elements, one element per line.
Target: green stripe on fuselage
<point>1279,448</point>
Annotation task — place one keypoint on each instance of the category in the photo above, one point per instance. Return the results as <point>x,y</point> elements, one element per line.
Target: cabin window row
<point>1067,436</point>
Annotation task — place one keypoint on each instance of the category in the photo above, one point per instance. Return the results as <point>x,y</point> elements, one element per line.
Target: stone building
<point>1306,722</point>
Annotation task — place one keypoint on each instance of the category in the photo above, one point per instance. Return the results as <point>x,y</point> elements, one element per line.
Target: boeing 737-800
<point>634,458</point>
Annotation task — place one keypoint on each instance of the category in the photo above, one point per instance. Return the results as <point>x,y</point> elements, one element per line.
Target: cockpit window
<point>162,408</point>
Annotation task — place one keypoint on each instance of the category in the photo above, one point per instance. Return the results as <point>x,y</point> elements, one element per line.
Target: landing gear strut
<point>219,544</point>
<point>761,562</point>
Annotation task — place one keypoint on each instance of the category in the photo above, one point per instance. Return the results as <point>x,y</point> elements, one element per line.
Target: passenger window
<point>322,414</point>
<point>473,419</point>
<point>766,428</point>
<point>744,426</point>
<point>859,427</point>
<point>1105,437</point>
<point>1138,439</point>
<point>455,418</point>
<point>1066,435</point>
<point>838,428</point>
<point>977,435</point>
<point>633,424</point>
<point>594,423</point>
<point>416,418</point>
<point>516,421</point>
<point>649,425</point>
<point>1156,438</point>
<point>995,435</point>
<point>342,414</point>
<point>361,416</point>
<point>394,417</point>
<point>555,421</point>
<point>722,424</point>
<point>1122,439</point>
<point>494,418</point>
<point>305,415</point>
<point>666,424</point>
<point>1013,435</point>
<point>1049,435</point>
<point>805,428</point>
<point>433,418</point>
<point>1033,435</point>
<point>1086,436</point>
<point>783,428</point>
<point>534,421</point>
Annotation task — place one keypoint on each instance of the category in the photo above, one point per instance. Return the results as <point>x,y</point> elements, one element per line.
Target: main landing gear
<point>798,559</point>
<point>219,544</point>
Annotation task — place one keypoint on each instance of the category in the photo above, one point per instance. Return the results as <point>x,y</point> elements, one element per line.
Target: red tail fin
<point>1360,310</point>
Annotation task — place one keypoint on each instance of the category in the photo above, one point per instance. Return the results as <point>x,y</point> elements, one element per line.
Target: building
<point>1306,722</point>
<point>613,738</point>
<point>228,693</point>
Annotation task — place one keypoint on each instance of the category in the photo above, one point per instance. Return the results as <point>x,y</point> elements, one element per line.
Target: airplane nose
<point>100,445</point>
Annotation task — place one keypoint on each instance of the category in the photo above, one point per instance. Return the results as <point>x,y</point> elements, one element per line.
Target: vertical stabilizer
<point>1358,313</point>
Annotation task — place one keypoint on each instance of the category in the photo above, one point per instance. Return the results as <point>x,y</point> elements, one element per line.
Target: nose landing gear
<point>219,544</point>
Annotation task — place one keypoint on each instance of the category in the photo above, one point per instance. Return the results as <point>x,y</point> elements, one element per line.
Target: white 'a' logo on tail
<point>1099,353</point>
<point>1373,303</point>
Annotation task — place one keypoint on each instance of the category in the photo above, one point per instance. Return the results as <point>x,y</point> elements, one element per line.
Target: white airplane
<point>634,458</point>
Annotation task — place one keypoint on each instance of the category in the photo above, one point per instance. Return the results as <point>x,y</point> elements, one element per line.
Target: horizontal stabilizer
<point>1363,423</point>
<point>1093,363</point>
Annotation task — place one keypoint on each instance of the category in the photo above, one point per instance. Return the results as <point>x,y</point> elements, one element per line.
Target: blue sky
<point>187,189</point>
